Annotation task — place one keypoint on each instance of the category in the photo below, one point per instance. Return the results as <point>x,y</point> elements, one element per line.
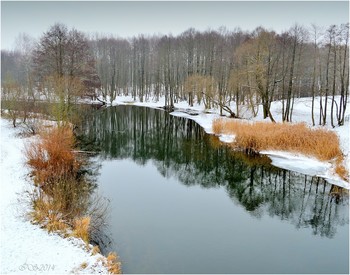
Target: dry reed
<point>48,215</point>
<point>113,264</point>
<point>81,229</point>
<point>322,144</point>
<point>95,250</point>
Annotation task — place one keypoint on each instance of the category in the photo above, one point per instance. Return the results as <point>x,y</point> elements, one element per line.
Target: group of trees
<point>217,67</point>
<point>59,68</point>
<point>220,67</point>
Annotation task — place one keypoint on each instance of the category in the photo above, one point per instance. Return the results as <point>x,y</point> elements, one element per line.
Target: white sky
<point>126,19</point>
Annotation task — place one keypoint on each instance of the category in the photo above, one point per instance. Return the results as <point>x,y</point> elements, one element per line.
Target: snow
<point>26,248</point>
<point>286,160</point>
<point>204,120</point>
<point>305,165</point>
<point>227,138</point>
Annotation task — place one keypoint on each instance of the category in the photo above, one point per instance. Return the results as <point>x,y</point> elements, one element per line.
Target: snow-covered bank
<point>302,113</point>
<point>25,248</point>
<point>305,165</point>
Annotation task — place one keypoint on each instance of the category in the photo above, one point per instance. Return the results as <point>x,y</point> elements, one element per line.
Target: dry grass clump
<point>340,169</point>
<point>338,192</point>
<point>81,229</point>
<point>214,141</point>
<point>48,215</point>
<point>95,250</point>
<point>113,263</point>
<point>257,136</point>
<point>84,265</point>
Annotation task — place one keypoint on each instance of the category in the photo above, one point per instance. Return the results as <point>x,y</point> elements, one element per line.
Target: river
<point>182,202</point>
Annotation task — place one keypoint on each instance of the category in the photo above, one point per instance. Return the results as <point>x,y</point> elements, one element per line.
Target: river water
<point>181,202</point>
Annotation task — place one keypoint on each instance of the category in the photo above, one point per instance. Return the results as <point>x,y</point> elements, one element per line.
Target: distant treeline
<point>217,67</point>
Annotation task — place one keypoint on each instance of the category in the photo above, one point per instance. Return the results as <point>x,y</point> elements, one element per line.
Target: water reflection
<point>179,148</point>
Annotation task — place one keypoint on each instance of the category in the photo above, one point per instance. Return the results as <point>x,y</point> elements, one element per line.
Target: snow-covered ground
<point>287,160</point>
<point>25,248</point>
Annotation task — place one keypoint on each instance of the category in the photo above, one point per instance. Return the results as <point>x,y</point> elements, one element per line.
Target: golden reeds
<point>322,144</point>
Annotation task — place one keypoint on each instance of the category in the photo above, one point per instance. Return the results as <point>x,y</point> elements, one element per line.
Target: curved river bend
<point>183,203</point>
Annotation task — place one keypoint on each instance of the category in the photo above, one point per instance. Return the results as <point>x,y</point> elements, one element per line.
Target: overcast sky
<point>126,19</point>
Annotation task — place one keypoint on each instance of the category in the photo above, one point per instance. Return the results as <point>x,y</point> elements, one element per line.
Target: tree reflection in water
<point>179,148</point>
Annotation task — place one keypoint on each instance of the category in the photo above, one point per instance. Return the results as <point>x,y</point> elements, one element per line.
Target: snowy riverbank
<point>26,248</point>
<point>287,160</point>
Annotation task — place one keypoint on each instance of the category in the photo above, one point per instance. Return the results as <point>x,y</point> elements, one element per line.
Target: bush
<point>57,171</point>
<point>52,157</point>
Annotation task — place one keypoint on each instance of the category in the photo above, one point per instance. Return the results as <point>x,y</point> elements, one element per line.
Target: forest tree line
<point>216,67</point>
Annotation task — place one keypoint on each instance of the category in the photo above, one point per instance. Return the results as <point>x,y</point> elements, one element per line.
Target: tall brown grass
<point>322,144</point>
<point>51,157</point>
<point>81,229</point>
<point>48,215</point>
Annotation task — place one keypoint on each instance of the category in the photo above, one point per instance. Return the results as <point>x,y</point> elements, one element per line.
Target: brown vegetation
<point>113,264</point>
<point>56,172</point>
<point>52,158</point>
<point>81,228</point>
<point>340,169</point>
<point>62,202</point>
<point>48,215</point>
<point>95,250</point>
<point>299,138</point>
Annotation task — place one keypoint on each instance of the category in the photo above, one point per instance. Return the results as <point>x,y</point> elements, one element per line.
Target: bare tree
<point>344,72</point>
<point>61,52</point>
<point>315,33</point>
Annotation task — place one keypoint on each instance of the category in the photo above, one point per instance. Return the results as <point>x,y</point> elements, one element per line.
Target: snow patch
<point>305,165</point>
<point>204,120</point>
<point>227,138</point>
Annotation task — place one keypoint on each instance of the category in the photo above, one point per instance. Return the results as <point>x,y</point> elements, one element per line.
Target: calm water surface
<point>183,203</point>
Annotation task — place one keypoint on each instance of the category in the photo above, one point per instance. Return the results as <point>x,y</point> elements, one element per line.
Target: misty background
<point>127,19</point>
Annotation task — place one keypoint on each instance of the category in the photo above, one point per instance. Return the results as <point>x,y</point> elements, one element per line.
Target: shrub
<point>57,171</point>
<point>52,157</point>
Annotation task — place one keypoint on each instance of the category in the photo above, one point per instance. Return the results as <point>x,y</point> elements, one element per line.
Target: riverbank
<point>293,161</point>
<point>26,248</point>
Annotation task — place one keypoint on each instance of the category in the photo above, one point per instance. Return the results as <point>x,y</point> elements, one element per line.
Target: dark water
<point>183,203</point>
